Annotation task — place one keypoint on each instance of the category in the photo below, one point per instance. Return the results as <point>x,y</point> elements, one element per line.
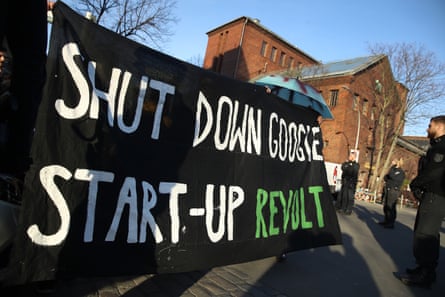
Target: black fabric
<point>215,172</point>
<point>24,28</point>
<point>426,244</point>
<point>349,178</point>
<point>430,186</point>
<point>393,183</point>
<point>390,196</point>
<point>394,178</point>
<point>431,173</point>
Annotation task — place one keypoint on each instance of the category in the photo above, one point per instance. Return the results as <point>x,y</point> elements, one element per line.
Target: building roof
<point>421,141</point>
<point>257,23</point>
<point>415,144</point>
<point>340,68</point>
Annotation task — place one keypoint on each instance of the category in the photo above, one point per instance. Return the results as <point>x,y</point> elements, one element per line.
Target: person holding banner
<point>349,177</point>
<point>23,29</point>
<point>23,35</point>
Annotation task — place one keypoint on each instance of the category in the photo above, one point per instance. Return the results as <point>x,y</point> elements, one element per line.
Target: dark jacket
<point>431,173</point>
<point>395,177</point>
<point>350,172</point>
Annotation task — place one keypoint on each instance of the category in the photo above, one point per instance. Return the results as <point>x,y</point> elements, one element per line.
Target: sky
<point>326,30</point>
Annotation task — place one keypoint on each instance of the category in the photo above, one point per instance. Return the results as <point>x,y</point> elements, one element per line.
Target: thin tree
<point>423,77</point>
<point>145,21</point>
<point>421,73</point>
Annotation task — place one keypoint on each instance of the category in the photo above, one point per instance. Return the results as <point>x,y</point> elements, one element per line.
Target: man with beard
<point>429,188</point>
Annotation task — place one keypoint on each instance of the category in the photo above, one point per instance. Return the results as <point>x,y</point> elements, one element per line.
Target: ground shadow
<point>397,243</point>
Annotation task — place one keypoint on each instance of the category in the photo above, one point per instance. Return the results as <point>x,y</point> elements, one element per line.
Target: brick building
<point>357,90</point>
<point>244,49</point>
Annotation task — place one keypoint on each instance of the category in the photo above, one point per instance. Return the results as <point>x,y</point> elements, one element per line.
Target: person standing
<point>23,29</point>
<point>429,188</point>
<point>393,183</point>
<point>24,33</point>
<point>349,177</point>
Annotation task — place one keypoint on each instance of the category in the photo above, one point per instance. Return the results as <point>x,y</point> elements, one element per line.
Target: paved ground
<point>363,266</point>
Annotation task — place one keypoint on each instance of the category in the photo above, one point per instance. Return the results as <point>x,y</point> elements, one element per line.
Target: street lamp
<point>357,135</point>
<point>378,91</point>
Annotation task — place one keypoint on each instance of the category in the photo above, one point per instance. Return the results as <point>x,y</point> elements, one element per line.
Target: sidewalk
<point>363,266</point>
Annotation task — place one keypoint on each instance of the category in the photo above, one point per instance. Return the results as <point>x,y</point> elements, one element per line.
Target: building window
<point>290,65</point>
<point>263,48</point>
<point>217,63</point>
<point>365,106</point>
<point>282,59</point>
<point>333,98</point>
<point>355,102</point>
<point>273,54</point>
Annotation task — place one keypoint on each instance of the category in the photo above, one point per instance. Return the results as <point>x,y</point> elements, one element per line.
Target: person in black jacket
<point>393,183</point>
<point>345,200</point>
<point>23,30</point>
<point>429,188</point>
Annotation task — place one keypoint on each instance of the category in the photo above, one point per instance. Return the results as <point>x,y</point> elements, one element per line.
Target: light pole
<point>347,141</point>
<point>378,91</point>
<point>357,135</point>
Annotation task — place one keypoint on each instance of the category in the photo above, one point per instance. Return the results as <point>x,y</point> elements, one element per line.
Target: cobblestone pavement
<point>226,281</point>
<point>363,265</point>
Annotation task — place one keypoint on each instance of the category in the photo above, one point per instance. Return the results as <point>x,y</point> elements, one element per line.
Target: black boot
<point>414,270</point>
<point>423,278</point>
<point>417,270</point>
<point>282,257</point>
<point>348,212</point>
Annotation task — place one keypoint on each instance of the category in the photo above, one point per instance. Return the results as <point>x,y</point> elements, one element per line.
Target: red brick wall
<point>224,45</point>
<point>342,130</point>
<point>246,63</point>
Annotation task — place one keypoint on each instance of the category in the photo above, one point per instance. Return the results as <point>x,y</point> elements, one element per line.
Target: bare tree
<point>423,77</point>
<point>421,73</point>
<point>145,21</point>
<point>196,60</point>
<point>389,121</point>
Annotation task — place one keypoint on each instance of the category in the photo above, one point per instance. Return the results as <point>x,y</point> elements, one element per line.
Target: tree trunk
<point>387,164</point>
<point>379,150</point>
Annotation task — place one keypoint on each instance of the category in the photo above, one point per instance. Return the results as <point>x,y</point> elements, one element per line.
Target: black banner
<point>147,164</point>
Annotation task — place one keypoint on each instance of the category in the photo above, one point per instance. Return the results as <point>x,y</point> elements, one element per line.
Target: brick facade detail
<point>243,49</point>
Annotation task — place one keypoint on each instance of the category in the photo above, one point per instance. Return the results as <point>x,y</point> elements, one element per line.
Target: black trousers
<point>426,245</point>
<point>390,204</point>
<point>345,199</point>
<point>23,25</point>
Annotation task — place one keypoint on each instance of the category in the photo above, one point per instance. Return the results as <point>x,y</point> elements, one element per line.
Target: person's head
<point>5,66</point>
<point>436,127</point>
<point>397,162</point>
<point>352,156</point>
<point>2,57</point>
